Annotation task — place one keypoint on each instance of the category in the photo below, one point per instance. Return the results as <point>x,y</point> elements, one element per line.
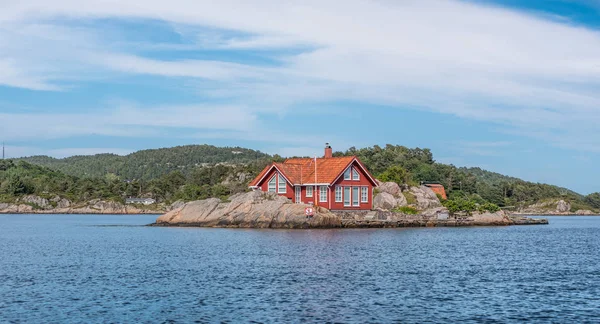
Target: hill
<point>413,166</point>
<point>200,171</point>
<point>148,164</point>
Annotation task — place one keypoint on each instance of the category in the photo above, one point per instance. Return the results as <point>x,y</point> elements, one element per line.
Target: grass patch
<point>406,210</point>
<point>410,198</point>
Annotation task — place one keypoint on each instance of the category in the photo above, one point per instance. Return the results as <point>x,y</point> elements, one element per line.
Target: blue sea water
<point>111,269</point>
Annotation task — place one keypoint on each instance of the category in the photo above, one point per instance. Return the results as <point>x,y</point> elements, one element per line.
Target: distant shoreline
<point>75,213</point>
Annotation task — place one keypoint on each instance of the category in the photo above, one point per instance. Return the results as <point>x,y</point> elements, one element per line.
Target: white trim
<point>341,196</point>
<point>348,170</point>
<point>274,177</point>
<point>364,170</point>
<point>321,194</point>
<point>364,193</point>
<point>279,189</point>
<point>311,192</point>
<point>314,184</point>
<point>356,202</point>
<point>349,197</point>
<point>267,173</point>
<point>355,172</point>
<point>298,194</point>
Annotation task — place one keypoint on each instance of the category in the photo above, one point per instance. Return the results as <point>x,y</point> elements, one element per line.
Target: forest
<point>201,171</point>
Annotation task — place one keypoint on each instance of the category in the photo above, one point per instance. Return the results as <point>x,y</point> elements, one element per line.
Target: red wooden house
<point>335,183</point>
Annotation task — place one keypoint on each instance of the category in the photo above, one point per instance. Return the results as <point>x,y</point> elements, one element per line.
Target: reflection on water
<point>109,269</point>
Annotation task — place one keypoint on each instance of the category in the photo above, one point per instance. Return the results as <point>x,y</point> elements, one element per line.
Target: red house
<point>335,183</point>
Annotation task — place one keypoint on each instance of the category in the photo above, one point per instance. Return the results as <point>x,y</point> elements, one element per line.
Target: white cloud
<point>536,76</point>
<point>126,121</point>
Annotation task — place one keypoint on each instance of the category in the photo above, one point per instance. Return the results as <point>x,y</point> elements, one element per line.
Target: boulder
<point>585,212</point>
<point>487,218</point>
<point>63,203</point>
<point>563,207</point>
<point>36,200</point>
<point>385,201</point>
<point>426,198</point>
<point>391,188</point>
<point>401,200</point>
<point>177,204</point>
<point>253,209</point>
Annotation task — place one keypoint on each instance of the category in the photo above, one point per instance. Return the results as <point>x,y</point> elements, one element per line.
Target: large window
<point>323,193</point>
<point>355,196</point>
<point>338,193</point>
<point>355,175</point>
<point>347,196</point>
<point>309,191</point>
<point>348,174</point>
<point>364,195</point>
<point>273,184</point>
<point>282,185</point>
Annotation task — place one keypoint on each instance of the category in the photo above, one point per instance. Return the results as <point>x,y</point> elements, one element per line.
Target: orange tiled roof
<point>302,170</point>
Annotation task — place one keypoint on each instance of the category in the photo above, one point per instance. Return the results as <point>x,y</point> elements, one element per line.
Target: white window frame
<point>280,181</point>
<point>364,194</point>
<point>348,174</point>
<point>323,193</point>
<point>347,196</point>
<point>309,191</point>
<point>355,196</point>
<point>273,182</point>
<point>339,194</point>
<point>355,174</point>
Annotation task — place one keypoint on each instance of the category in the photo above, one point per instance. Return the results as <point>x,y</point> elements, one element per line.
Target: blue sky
<point>510,86</point>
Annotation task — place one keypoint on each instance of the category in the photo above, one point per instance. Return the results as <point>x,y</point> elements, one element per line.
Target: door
<point>298,195</point>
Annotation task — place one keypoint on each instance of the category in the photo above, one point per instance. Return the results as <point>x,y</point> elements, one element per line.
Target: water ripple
<point>70,269</point>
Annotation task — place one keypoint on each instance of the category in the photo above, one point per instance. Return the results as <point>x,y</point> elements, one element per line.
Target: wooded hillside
<point>200,171</point>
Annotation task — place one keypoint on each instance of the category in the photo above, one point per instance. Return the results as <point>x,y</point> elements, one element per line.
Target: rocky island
<point>259,209</point>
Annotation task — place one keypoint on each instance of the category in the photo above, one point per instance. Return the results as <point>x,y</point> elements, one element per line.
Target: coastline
<point>76,212</point>
<point>353,224</point>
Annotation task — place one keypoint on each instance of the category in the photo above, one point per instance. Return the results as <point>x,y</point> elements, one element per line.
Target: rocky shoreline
<point>57,205</point>
<point>265,210</point>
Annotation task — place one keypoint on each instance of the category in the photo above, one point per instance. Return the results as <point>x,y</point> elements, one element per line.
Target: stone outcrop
<point>254,209</point>
<point>550,207</point>
<point>57,205</point>
<point>264,210</point>
<point>563,207</point>
<point>585,212</point>
<point>389,197</point>
<point>391,188</point>
<point>426,198</point>
<point>385,201</point>
<point>37,201</point>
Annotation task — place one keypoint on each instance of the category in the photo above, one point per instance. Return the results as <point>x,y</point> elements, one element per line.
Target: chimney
<point>328,151</point>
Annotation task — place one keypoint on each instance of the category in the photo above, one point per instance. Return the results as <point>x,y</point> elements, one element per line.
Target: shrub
<point>410,197</point>
<point>492,208</point>
<point>395,173</point>
<point>406,210</point>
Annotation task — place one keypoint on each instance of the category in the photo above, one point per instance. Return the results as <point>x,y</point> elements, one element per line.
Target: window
<point>355,194</point>
<point>323,193</point>
<point>347,192</point>
<point>273,184</point>
<point>364,195</point>
<point>348,174</point>
<point>338,194</point>
<point>282,185</point>
<point>355,175</point>
<point>309,192</point>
